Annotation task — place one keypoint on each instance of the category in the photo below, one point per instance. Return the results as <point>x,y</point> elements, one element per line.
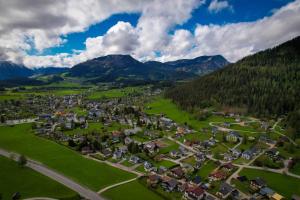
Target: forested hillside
<point>265,84</point>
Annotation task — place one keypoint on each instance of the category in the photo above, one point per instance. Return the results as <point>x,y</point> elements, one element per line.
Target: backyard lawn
<point>284,185</point>
<point>91,173</point>
<point>206,169</point>
<point>29,183</point>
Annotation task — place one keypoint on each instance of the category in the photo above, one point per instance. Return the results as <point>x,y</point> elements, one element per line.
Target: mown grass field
<point>284,185</point>
<point>29,183</point>
<point>131,191</point>
<point>93,174</point>
<point>161,105</point>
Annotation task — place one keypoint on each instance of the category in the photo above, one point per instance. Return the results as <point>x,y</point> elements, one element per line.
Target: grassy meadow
<point>93,174</point>
<point>29,183</point>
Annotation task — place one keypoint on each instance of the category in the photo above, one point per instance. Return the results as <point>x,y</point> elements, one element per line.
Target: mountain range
<point>122,68</point>
<point>9,70</point>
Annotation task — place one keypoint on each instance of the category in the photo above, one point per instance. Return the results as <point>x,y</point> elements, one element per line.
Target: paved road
<point>84,192</point>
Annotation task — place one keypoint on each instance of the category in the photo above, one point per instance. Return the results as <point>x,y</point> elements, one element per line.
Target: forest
<point>266,84</point>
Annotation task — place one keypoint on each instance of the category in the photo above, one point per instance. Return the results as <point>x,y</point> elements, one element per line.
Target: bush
<point>22,161</point>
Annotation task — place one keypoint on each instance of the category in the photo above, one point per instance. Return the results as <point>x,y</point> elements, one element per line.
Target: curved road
<point>84,192</point>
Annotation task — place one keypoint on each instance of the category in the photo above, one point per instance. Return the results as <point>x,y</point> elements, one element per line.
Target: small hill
<point>9,70</point>
<point>266,83</point>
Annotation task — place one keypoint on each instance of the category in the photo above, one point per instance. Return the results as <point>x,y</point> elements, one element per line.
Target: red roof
<point>196,191</point>
<point>219,174</point>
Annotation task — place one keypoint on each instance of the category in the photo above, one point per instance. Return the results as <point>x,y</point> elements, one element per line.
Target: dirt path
<point>117,184</point>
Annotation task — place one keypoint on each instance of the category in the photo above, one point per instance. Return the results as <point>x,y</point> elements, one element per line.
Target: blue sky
<point>243,11</point>
<point>75,31</point>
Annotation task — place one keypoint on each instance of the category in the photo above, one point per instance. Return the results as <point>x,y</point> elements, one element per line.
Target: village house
<point>194,193</point>
<point>225,190</point>
<point>187,168</point>
<point>248,154</point>
<point>106,152</point>
<point>228,167</point>
<point>120,152</point>
<point>115,136</point>
<point>197,180</point>
<point>200,157</point>
<point>169,184</point>
<point>177,172</point>
<point>273,153</point>
<point>135,159</point>
<point>257,183</point>
<point>266,192</point>
<point>226,124</point>
<point>166,123</point>
<point>86,150</point>
<point>153,179</point>
<point>228,157</point>
<point>175,154</point>
<point>133,131</point>
<point>277,196</point>
<point>162,170</point>
<point>236,153</point>
<point>150,134</point>
<point>128,140</point>
<point>147,166</point>
<point>151,147</point>
<point>217,176</point>
<point>233,136</point>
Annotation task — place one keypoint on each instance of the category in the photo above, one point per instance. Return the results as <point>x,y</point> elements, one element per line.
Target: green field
<point>93,174</point>
<point>206,169</point>
<point>165,106</point>
<point>38,91</point>
<point>165,163</point>
<point>29,183</point>
<point>95,126</point>
<point>92,126</point>
<point>284,185</point>
<point>131,191</point>
<point>9,96</point>
<point>170,146</point>
<point>296,168</point>
<point>114,93</point>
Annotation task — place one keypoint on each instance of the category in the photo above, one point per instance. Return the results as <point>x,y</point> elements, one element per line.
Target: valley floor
<point>113,177</point>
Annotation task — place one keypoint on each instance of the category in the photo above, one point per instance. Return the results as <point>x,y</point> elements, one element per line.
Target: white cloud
<point>237,40</point>
<point>216,6</point>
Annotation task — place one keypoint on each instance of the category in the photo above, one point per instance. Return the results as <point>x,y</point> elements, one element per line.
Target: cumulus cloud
<point>237,40</point>
<point>40,24</point>
<point>216,6</point>
<point>150,39</point>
